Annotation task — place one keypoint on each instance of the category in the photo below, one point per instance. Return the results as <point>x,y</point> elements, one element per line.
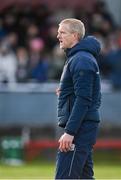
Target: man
<point>78,101</point>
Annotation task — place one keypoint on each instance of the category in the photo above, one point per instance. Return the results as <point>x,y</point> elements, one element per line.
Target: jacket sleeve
<point>83,87</point>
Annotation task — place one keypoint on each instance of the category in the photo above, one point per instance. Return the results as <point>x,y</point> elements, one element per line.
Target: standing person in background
<point>8,65</point>
<point>78,101</point>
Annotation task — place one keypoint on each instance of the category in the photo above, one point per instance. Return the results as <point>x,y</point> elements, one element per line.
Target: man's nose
<point>58,36</point>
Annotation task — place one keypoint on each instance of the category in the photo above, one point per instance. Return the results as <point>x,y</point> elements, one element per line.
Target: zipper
<point>72,162</point>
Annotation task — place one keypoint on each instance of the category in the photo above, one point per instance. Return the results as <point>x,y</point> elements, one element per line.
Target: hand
<point>57,91</point>
<point>65,142</point>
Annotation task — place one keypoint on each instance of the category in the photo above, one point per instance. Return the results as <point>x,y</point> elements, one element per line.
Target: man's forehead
<point>63,27</point>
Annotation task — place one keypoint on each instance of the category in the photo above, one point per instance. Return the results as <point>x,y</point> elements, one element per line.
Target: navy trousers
<point>78,164</point>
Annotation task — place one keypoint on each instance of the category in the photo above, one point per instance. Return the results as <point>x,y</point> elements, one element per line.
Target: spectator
<point>2,29</point>
<point>63,11</point>
<point>12,40</point>
<point>101,20</point>
<point>10,22</point>
<point>22,64</point>
<point>38,65</point>
<point>113,59</point>
<point>51,39</point>
<point>8,65</point>
<point>56,64</point>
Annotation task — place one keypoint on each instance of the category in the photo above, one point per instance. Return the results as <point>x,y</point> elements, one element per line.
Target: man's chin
<point>61,47</point>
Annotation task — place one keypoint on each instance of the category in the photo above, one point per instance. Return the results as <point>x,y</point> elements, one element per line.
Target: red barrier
<point>101,144</point>
<point>34,147</point>
<point>108,144</point>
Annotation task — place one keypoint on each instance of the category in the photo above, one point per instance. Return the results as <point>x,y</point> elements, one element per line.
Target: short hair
<point>75,25</point>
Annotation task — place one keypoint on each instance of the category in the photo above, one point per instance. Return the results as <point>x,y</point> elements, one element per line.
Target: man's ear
<point>76,35</point>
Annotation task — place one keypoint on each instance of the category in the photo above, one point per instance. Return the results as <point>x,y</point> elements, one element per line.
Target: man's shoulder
<point>81,56</point>
<point>82,60</point>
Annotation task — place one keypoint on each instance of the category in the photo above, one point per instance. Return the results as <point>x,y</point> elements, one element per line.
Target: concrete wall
<point>38,108</point>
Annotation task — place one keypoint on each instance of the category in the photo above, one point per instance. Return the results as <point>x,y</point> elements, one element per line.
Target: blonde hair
<point>75,25</point>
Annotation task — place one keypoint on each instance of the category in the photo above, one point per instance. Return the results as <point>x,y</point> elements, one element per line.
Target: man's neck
<point>74,43</point>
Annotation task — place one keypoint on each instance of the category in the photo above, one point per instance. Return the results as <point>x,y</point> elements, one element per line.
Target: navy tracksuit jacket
<point>78,105</point>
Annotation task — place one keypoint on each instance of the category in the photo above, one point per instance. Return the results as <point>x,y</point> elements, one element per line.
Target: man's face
<point>66,38</point>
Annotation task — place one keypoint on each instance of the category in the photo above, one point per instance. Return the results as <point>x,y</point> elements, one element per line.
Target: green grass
<point>40,171</point>
<point>108,172</point>
<point>46,170</point>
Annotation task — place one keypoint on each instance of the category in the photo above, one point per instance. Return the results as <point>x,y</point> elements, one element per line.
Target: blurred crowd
<point>29,50</point>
